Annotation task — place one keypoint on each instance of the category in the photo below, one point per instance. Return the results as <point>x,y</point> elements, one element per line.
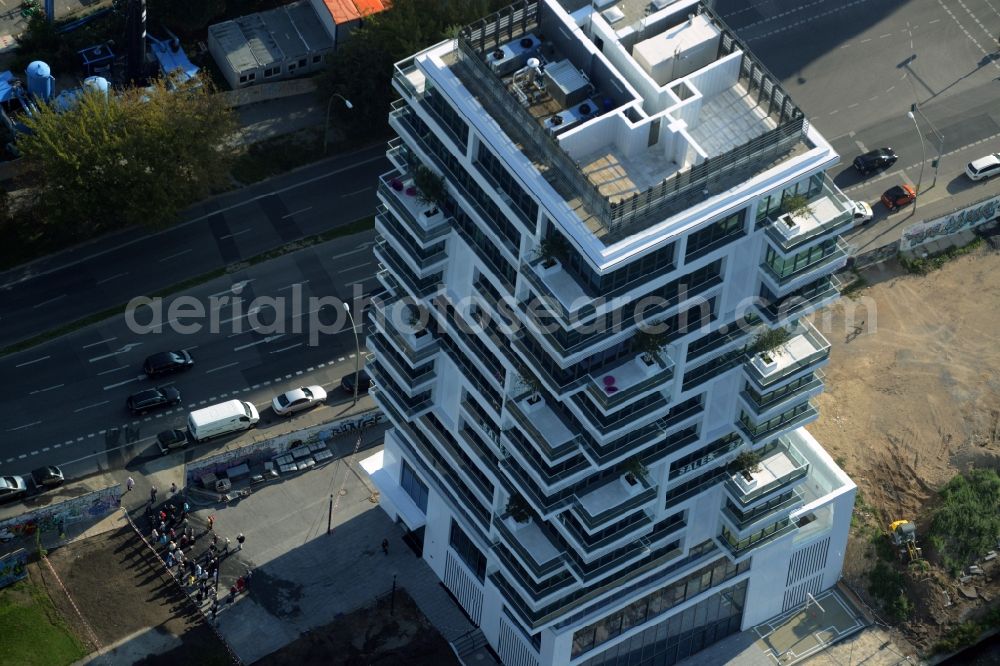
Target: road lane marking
<point>270,338</point>
<point>174,256</point>
<point>51,300</point>
<point>292,286</point>
<point>108,372</point>
<point>353,268</point>
<point>236,288</point>
<point>96,404</point>
<point>298,344</point>
<point>356,192</point>
<point>127,381</point>
<point>294,213</point>
<point>235,233</point>
<point>26,425</point>
<point>222,367</point>
<point>125,349</point>
<point>253,310</point>
<point>37,360</point>
<point>94,344</point>
<point>113,277</point>
<point>347,254</point>
<point>50,388</point>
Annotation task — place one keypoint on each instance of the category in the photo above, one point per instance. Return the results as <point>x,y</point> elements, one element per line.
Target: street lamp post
<point>357,351</point>
<point>923,158</point>
<point>940,140</point>
<point>326,125</point>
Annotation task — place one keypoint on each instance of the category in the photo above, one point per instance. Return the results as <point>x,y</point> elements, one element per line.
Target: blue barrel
<point>97,84</point>
<point>40,81</point>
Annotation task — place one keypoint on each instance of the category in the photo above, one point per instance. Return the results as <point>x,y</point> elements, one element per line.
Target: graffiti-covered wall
<point>260,452</point>
<point>56,517</point>
<point>13,567</point>
<point>941,228</point>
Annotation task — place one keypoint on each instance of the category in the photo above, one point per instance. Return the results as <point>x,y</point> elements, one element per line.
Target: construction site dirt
<point>912,399</point>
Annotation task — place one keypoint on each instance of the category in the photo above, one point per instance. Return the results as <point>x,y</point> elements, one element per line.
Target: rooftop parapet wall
<point>698,177</point>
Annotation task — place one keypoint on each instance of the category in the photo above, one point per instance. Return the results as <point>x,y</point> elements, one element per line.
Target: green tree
<point>189,16</point>
<point>361,69</point>
<point>137,157</point>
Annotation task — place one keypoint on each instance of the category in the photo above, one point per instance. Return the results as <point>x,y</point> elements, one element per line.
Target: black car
<point>364,382</point>
<point>873,160</point>
<point>154,398</point>
<point>168,440</point>
<point>166,363</point>
<point>49,476</point>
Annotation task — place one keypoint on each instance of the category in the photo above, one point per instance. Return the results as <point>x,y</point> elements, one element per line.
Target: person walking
<point>239,541</point>
<point>211,523</point>
<point>225,548</point>
<point>385,546</point>
<point>129,484</point>
<point>152,494</point>
<point>173,488</point>
<point>247,578</point>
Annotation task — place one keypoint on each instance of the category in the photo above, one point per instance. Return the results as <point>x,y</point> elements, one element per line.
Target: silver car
<point>298,399</point>
<point>12,488</point>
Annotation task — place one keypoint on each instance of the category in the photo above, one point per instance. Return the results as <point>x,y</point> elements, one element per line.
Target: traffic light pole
<point>940,147</point>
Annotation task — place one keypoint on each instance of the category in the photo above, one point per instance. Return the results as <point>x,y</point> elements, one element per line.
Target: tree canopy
<point>136,157</point>
<point>361,69</point>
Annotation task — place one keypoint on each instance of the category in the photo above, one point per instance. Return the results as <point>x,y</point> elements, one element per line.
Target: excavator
<point>904,537</point>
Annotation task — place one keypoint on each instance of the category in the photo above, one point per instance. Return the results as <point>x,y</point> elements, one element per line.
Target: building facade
<point>596,222</point>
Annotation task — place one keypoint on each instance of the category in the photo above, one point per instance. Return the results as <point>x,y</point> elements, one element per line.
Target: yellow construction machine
<point>904,538</point>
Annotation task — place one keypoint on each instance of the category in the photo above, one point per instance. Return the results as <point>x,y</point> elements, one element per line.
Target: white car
<point>12,488</point>
<point>298,399</point>
<point>984,167</point>
<point>862,213</point>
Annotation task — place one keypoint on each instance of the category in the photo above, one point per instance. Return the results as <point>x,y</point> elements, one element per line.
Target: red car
<point>898,196</point>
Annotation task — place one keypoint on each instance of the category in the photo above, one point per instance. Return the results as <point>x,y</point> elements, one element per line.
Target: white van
<point>221,419</point>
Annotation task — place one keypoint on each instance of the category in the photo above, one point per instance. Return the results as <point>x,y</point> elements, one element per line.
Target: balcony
<point>741,521</point>
<point>790,419</point>
<point>828,259</point>
<point>740,548</point>
<point>417,347</point>
<point>777,310</point>
<point>422,262</point>
<point>530,544</point>
<point>806,349</point>
<point>545,428</point>
<point>410,380</point>
<point>618,534</point>
<point>782,398</point>
<point>829,212</point>
<point>408,80</point>
<point>410,406</point>
<point>417,287</point>
<point>632,379</point>
<point>549,478</point>
<point>782,467</point>
<point>472,374</point>
<point>425,221</point>
<point>613,500</point>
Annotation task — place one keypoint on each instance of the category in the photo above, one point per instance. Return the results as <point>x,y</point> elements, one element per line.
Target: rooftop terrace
<point>630,121</point>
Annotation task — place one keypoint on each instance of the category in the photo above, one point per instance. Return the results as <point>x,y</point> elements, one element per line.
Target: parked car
<point>46,477</point>
<point>12,488</point>
<point>898,196</point>
<point>154,398</point>
<point>364,382</point>
<point>874,160</point>
<point>168,440</point>
<point>298,399</point>
<point>862,213</point>
<point>166,363</point>
<point>984,167</point>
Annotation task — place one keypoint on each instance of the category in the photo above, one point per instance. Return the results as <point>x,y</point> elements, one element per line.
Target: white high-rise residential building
<point>598,218</point>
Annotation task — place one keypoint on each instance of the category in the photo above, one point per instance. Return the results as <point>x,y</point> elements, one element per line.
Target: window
<point>771,204</point>
<point>302,62</point>
<point>317,58</point>
<point>414,487</point>
<point>291,67</point>
<point>467,550</point>
<point>714,236</point>
<point>784,267</point>
<point>243,79</point>
<point>272,71</point>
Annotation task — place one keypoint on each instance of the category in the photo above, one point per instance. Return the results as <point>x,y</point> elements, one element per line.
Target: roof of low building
<point>276,35</point>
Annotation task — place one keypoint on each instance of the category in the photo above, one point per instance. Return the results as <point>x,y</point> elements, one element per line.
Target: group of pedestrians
<point>178,544</point>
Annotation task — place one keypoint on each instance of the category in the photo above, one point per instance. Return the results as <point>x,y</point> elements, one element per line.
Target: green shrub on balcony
<point>769,340</point>
<point>518,509</point>
<point>431,190</point>
<point>633,470</point>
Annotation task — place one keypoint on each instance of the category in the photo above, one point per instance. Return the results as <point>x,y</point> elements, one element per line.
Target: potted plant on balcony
<point>552,250</point>
<point>416,320</point>
<point>633,469</point>
<point>650,345</point>
<point>431,190</point>
<point>519,510</point>
<point>796,205</point>
<point>766,343</point>
<point>528,381</point>
<point>747,463</point>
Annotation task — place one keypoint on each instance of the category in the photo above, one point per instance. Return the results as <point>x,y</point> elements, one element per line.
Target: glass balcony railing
<point>411,406</point>
<point>415,349</point>
<point>546,430</point>
<point>832,257</point>
<point>419,287</point>
<point>408,79</point>
<point>829,212</point>
<point>792,418</point>
<point>427,228</point>
<point>631,379</point>
<point>414,380</point>
<point>626,529</point>
<point>780,399</point>
<point>779,469</point>
<point>742,521</point>
<point>536,552</point>
<point>742,547</point>
<point>550,478</point>
<point>801,302</point>
<point>612,501</point>
<point>807,348</point>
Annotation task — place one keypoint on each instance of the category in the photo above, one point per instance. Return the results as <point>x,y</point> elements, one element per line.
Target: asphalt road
<point>62,399</point>
<point>53,291</point>
<point>855,67</point>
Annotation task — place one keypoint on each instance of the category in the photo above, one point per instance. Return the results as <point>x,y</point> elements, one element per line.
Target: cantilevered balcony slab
<point>780,469</point>
<point>612,500</point>
<point>631,379</point>
<point>806,350</point>
<point>537,553</point>
<point>828,213</point>
<point>547,431</point>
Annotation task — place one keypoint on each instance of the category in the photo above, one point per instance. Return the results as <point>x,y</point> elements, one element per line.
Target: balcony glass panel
<point>806,347</point>
<point>626,528</point>
<point>777,309</point>
<point>739,547</point>
<point>829,211</point>
<point>787,420</point>
<point>418,287</point>
<point>781,467</point>
<point>784,396</point>
<point>741,520</point>
<point>425,221</point>
<point>531,543</point>
<point>548,432</point>
<point>613,500</point>
<point>630,380</point>
<point>783,269</point>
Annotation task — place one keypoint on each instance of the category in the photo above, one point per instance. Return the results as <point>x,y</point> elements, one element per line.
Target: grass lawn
<point>31,630</point>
